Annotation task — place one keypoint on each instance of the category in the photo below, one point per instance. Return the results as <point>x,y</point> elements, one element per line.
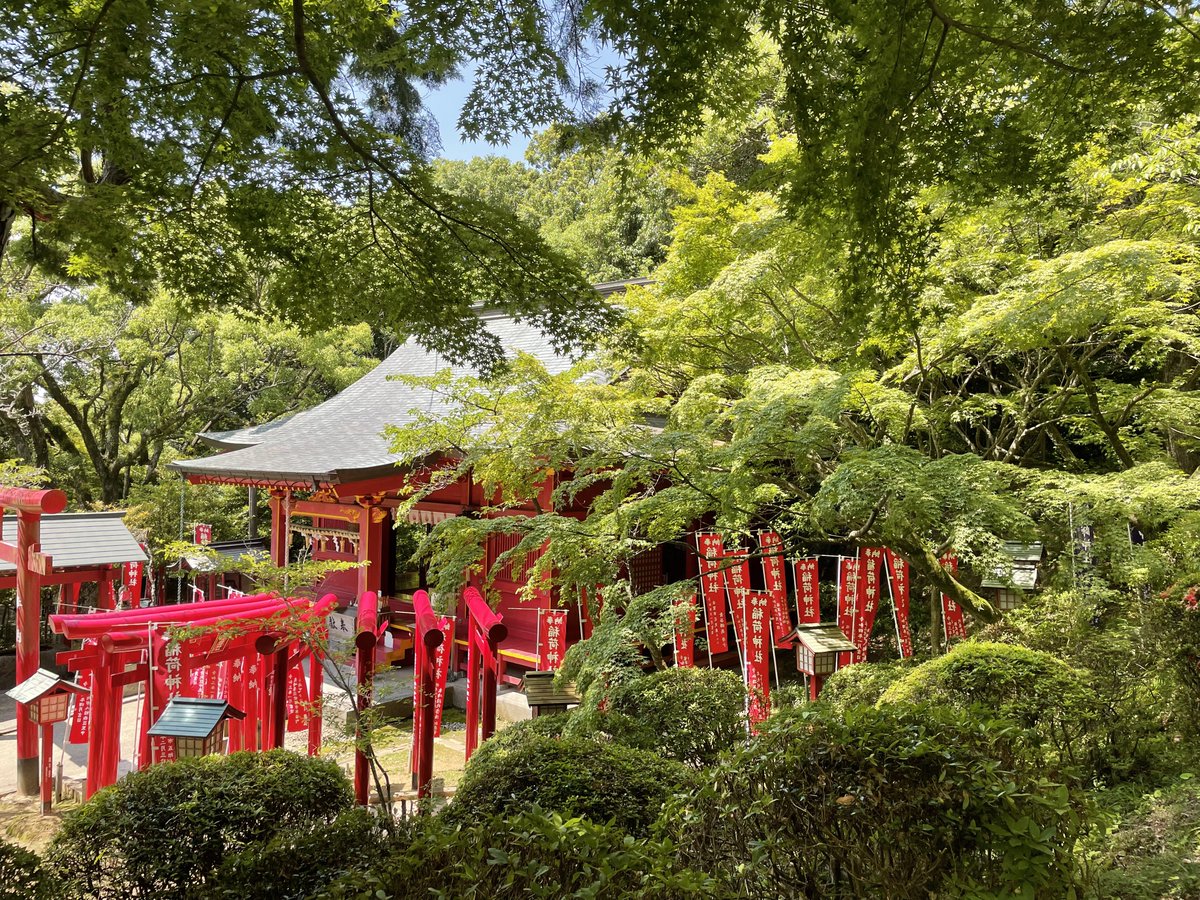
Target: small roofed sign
<point>202,535</point>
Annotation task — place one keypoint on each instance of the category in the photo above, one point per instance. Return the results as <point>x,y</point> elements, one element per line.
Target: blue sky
<point>445,104</point>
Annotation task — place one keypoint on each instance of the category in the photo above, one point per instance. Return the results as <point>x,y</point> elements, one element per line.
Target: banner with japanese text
<point>757,651</point>
<point>870,559</point>
<point>775,582</point>
<point>847,603</point>
<point>952,614</point>
<point>441,670</point>
<point>685,634</point>
<point>202,535</point>
<point>81,713</point>
<point>552,638</point>
<point>808,592</point>
<point>169,677</point>
<point>298,709</point>
<point>712,586</point>
<point>131,582</point>
<point>737,586</point>
<point>898,573</point>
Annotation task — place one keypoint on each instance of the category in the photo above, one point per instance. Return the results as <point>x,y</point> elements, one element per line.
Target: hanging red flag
<point>81,714</point>
<point>298,710</point>
<point>847,604</point>
<point>202,535</point>
<point>952,614</point>
<point>776,584</point>
<point>737,586</point>
<point>808,592</point>
<point>869,560</point>
<point>169,677</point>
<point>711,549</point>
<point>685,635</point>
<point>131,581</point>
<point>898,573</point>
<point>757,650</point>
<point>441,670</point>
<point>552,638</point>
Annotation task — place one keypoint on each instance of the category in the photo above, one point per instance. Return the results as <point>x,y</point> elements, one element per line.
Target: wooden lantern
<point>196,724</point>
<point>817,649</point>
<point>46,697</point>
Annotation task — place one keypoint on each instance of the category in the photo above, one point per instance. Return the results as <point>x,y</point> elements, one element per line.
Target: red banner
<point>552,638</point>
<point>168,680</point>
<point>441,669</point>
<point>712,549</point>
<point>952,614</point>
<point>847,603</point>
<point>202,535</point>
<point>757,650</point>
<point>685,634</point>
<point>81,714</point>
<point>131,581</point>
<point>870,559</point>
<point>808,592</point>
<point>776,583</point>
<point>898,572</point>
<point>298,709</point>
<point>737,586</point>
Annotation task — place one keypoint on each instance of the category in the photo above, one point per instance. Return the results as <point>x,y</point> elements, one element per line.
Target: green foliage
<point>167,831</point>
<point>1032,689</point>
<point>23,876</point>
<point>298,862</point>
<point>688,715</point>
<point>1148,851</point>
<point>862,684</point>
<point>570,775</point>
<point>527,854</point>
<point>897,801</point>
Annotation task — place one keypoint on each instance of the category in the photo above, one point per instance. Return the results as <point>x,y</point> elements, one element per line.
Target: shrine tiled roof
<point>342,440</point>
<point>81,540</point>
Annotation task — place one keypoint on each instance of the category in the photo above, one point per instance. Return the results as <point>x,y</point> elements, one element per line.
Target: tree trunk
<point>8,215</point>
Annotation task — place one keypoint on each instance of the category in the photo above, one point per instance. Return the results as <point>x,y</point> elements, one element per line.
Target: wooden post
<point>279,718</point>
<point>935,621</point>
<point>30,564</point>
<point>47,766</point>
<point>280,538</point>
<point>485,632</point>
<point>364,641</point>
<point>370,547</point>
<point>427,638</point>
<point>316,682</point>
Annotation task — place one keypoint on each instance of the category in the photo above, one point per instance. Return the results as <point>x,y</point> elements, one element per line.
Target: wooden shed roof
<point>82,540</point>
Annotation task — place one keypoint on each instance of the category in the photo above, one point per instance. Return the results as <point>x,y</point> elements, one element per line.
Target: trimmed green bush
<point>863,683</point>
<point>900,801</point>
<point>1034,690</point>
<point>301,861</point>
<point>166,832</point>
<point>533,854</point>
<point>688,715</point>
<point>22,875</point>
<point>572,776</point>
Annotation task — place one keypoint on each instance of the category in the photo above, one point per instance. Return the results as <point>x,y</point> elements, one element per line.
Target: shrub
<point>899,801</point>
<point>573,776</point>
<point>300,861</point>
<point>688,715</point>
<point>531,854</point>
<point>1034,690</point>
<point>862,684</point>
<point>167,830</point>
<point>22,874</point>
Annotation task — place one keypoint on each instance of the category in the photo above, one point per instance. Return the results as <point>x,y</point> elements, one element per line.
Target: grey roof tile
<point>343,438</point>
<point>81,540</point>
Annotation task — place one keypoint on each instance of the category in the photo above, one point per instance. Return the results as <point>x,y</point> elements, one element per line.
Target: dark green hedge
<point>166,832</point>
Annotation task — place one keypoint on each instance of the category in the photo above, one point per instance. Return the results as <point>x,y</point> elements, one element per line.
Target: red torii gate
<point>31,564</point>
<point>485,631</point>
<point>130,646</point>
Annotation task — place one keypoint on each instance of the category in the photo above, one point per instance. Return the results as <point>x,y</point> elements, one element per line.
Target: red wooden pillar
<point>815,683</point>
<point>48,766</point>
<point>485,631</point>
<point>31,565</point>
<point>427,638</point>
<point>364,641</point>
<point>107,591</point>
<point>98,725</point>
<point>370,546</point>
<point>279,502</point>
<point>316,682</point>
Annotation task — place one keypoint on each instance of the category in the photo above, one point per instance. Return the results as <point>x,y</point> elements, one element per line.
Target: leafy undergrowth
<point>1151,848</point>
